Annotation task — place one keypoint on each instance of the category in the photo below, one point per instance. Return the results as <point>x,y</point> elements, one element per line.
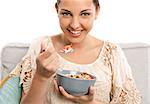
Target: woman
<point>75,49</point>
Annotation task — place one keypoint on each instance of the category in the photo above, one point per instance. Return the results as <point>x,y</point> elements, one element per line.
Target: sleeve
<point>124,90</point>
<point>27,65</point>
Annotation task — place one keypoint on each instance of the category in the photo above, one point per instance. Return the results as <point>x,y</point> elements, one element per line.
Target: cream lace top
<point>114,85</point>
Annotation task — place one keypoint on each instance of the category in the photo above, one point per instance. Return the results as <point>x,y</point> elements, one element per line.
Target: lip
<point>75,33</point>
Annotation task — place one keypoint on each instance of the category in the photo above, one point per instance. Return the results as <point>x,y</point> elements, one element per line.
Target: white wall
<point>119,20</point>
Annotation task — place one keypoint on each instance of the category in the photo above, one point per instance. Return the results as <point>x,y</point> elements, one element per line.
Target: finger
<point>50,58</point>
<point>47,53</point>
<point>46,45</point>
<point>44,54</point>
<point>53,66</point>
<point>56,63</point>
<point>89,96</point>
<point>50,49</point>
<point>43,45</point>
<point>91,91</point>
<point>64,93</point>
<point>56,86</point>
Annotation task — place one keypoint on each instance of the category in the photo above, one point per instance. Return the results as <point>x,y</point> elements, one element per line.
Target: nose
<point>75,23</point>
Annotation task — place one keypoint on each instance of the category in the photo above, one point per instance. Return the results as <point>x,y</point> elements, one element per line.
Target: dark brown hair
<point>96,3</point>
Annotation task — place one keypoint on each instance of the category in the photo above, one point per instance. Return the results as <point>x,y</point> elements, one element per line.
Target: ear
<point>56,7</point>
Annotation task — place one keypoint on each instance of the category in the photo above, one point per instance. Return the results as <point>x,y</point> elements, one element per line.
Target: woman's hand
<point>85,99</point>
<point>47,61</point>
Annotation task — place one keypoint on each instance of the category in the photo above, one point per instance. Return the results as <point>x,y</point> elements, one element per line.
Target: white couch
<point>138,55</point>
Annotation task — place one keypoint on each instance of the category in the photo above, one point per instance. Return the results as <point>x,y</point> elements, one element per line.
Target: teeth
<point>75,32</point>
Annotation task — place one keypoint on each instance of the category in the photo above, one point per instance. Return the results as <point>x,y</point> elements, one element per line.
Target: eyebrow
<point>81,11</point>
<point>85,10</point>
<point>66,10</point>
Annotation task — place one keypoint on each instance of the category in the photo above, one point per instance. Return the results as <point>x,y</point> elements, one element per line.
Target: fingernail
<point>60,88</point>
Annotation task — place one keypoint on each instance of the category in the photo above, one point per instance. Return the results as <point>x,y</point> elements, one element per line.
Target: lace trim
<point>127,95</point>
<point>16,71</point>
<point>107,53</point>
<point>26,74</point>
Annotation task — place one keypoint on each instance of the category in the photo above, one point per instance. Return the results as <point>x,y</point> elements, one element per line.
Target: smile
<point>75,33</point>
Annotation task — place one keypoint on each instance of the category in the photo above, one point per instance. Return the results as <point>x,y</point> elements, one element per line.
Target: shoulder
<point>111,45</point>
<point>42,39</point>
<point>114,50</point>
<point>105,43</point>
<point>39,39</point>
<point>111,49</point>
<point>35,45</point>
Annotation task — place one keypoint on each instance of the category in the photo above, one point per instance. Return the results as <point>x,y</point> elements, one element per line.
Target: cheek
<point>64,22</point>
<point>87,23</point>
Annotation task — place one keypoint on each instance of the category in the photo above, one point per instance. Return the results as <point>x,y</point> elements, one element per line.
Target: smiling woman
<point>78,50</point>
<point>76,23</point>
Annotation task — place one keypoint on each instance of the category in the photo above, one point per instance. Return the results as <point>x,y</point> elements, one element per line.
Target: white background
<point>119,20</point>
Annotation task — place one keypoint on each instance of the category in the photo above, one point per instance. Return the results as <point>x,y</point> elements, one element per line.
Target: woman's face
<point>76,18</point>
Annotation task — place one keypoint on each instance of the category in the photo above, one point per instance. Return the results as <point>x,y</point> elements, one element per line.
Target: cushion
<point>10,93</point>
<point>11,55</point>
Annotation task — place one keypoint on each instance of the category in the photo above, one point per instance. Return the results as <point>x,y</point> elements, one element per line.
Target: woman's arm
<point>124,89</point>
<point>37,91</point>
<point>46,65</point>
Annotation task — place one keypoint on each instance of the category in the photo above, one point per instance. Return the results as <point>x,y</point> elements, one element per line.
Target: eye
<point>85,14</point>
<point>66,14</point>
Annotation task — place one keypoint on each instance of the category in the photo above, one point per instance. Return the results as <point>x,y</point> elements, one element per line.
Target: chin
<point>76,40</point>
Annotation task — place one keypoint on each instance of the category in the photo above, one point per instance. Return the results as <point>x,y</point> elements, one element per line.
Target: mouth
<point>75,33</point>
